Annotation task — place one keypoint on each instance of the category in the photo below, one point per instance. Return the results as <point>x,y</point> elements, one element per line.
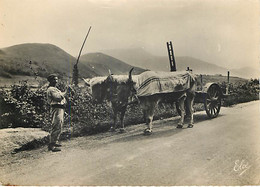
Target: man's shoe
<point>57,145</point>
<point>190,126</point>
<point>55,149</point>
<point>50,146</point>
<point>179,126</point>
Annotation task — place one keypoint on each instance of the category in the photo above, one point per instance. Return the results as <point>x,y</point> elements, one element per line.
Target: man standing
<point>57,102</point>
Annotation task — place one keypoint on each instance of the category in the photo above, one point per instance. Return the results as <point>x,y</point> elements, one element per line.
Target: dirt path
<point>221,151</point>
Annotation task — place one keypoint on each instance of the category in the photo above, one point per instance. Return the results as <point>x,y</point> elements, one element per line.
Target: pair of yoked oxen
<point>121,90</point>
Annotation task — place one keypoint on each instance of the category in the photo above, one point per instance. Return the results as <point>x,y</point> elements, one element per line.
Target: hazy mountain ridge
<point>141,58</point>
<point>25,59</point>
<point>246,72</point>
<point>101,63</point>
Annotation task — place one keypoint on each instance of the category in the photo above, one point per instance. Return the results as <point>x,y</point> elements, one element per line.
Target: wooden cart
<point>210,94</point>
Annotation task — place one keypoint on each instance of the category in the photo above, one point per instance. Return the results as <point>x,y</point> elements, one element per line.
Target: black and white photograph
<point>129,92</point>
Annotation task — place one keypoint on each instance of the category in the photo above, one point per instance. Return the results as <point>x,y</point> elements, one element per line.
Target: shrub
<point>240,93</point>
<point>22,106</point>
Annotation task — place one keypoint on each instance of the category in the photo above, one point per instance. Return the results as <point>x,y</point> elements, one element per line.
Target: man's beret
<point>51,77</point>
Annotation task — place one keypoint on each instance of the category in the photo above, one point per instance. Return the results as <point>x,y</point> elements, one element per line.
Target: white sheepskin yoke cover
<point>99,80</point>
<point>96,80</point>
<point>152,82</point>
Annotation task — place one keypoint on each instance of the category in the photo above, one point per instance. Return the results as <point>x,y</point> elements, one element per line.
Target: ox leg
<point>113,126</point>
<point>144,115</point>
<point>182,110</point>
<point>149,112</point>
<point>122,115</point>
<point>190,101</point>
<point>149,124</point>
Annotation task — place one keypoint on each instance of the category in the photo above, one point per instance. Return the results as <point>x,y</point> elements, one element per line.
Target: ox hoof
<point>190,126</point>
<point>179,126</point>
<point>122,130</point>
<point>147,132</point>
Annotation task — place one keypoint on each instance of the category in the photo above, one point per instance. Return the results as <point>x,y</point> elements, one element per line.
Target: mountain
<point>199,66</point>
<point>44,59</point>
<point>101,63</point>
<point>141,58</point>
<point>247,72</point>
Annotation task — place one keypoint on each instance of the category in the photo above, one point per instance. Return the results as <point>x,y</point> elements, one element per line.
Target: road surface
<point>220,151</point>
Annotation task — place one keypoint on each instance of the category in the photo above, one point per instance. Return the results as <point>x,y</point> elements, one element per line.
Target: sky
<point>222,32</point>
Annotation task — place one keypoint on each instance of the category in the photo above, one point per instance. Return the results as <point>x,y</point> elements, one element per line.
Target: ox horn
<point>130,74</point>
<point>110,77</point>
<point>86,82</point>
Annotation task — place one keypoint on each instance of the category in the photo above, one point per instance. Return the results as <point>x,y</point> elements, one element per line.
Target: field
<point>23,104</point>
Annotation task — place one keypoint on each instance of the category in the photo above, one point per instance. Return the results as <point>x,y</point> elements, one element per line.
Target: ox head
<point>119,90</point>
<point>98,87</point>
<point>116,89</point>
<point>101,91</point>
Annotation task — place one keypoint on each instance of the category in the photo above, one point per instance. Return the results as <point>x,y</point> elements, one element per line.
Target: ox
<point>118,90</point>
<point>154,87</point>
<point>149,88</point>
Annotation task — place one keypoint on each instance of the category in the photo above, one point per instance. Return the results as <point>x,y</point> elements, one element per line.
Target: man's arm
<point>56,95</point>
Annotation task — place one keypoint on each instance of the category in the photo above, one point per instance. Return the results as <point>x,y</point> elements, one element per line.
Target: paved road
<point>220,151</point>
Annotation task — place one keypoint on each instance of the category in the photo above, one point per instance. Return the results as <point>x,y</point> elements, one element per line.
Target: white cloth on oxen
<point>152,82</point>
<point>96,80</point>
<point>99,80</point>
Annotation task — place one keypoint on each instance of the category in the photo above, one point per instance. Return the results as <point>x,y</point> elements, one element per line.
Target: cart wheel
<point>212,102</point>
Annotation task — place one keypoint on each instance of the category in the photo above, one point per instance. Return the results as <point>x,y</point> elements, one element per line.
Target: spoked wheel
<point>212,101</point>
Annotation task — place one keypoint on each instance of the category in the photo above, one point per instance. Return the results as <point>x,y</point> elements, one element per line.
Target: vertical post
<point>171,56</point>
<point>201,83</point>
<point>227,88</point>
<point>75,68</point>
<point>188,69</point>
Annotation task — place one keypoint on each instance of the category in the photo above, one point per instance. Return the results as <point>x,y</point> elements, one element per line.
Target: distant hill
<point>26,59</point>
<point>101,63</point>
<point>246,72</point>
<point>199,66</point>
<point>43,59</point>
<point>141,58</point>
